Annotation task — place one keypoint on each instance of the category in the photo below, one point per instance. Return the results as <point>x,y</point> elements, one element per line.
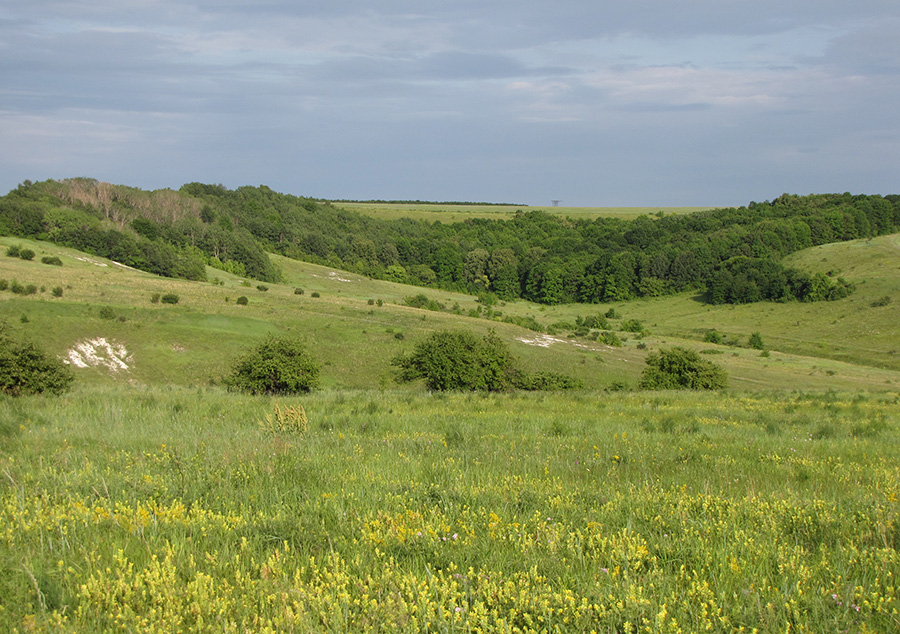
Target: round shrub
<point>279,365</point>
<point>52,260</point>
<point>169,298</point>
<point>26,254</point>
<point>458,360</point>
<point>26,369</point>
<point>680,369</point>
<point>13,250</point>
<point>242,300</point>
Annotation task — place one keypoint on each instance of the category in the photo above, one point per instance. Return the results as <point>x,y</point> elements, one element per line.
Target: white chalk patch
<point>338,278</point>
<point>89,260</point>
<point>94,353</point>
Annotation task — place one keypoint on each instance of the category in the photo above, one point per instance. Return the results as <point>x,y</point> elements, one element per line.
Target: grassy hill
<point>357,325</point>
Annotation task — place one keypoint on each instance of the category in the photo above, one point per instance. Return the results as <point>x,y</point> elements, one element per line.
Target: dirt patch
<point>99,353</point>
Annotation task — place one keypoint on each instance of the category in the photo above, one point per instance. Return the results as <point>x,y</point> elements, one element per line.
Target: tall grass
<point>175,510</point>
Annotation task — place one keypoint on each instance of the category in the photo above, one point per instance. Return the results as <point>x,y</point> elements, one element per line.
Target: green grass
<point>844,345</point>
<point>166,509</point>
<point>459,213</point>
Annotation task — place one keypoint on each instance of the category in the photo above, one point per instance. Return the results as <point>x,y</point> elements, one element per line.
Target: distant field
<point>458,213</point>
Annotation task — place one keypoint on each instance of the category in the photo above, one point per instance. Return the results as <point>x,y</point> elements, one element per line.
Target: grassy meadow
<point>448,213</point>
<point>167,510</point>
<point>149,499</point>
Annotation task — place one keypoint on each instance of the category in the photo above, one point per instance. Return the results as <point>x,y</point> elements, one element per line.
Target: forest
<point>730,255</point>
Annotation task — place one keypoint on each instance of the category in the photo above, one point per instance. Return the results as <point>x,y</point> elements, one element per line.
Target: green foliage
<point>679,368</point>
<point>713,336</point>
<point>26,369</point>
<point>262,287</point>
<point>169,298</point>
<point>756,341</point>
<point>13,250</point>
<point>242,300</point>
<point>315,294</point>
<point>57,291</point>
<point>458,360</point>
<point>279,365</point>
<point>633,325</point>
<point>52,260</point>
<point>106,312</point>
<point>881,301</point>
<point>610,338</point>
<point>298,291</point>
<point>422,301</point>
<point>4,284</point>
<point>26,254</point>
<point>154,298</point>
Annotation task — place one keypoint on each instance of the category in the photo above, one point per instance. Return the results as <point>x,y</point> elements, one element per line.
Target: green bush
<point>756,341</point>
<point>154,298</point>
<point>107,313</point>
<point>52,260</point>
<point>679,369</point>
<point>4,284</point>
<point>169,298</point>
<point>242,300</point>
<point>298,291</point>
<point>262,287</point>
<point>57,291</point>
<point>611,339</point>
<point>315,294</point>
<point>458,360</point>
<point>26,254</point>
<point>26,369</point>
<point>279,365</point>
<point>13,250</point>
<point>633,325</point>
<point>712,336</point>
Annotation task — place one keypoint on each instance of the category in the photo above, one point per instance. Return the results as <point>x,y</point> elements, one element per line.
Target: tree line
<point>732,255</point>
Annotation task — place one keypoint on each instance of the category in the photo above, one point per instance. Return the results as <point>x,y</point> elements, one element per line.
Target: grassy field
<point>357,325</point>
<point>172,510</point>
<point>457,213</point>
<point>149,499</point>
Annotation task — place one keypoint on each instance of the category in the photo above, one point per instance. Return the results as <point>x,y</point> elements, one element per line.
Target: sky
<point>588,102</point>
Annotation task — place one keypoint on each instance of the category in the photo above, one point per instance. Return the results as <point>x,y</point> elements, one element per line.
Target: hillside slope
<point>357,325</point>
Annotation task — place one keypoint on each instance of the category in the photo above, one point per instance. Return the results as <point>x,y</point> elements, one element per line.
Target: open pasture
<point>166,510</point>
<point>448,213</point>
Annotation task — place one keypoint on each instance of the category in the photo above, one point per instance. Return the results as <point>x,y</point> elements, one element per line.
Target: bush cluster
<point>679,369</point>
<point>279,365</point>
<point>458,360</point>
<point>26,369</point>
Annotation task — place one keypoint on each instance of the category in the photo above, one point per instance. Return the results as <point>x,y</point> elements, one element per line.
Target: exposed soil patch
<point>97,353</point>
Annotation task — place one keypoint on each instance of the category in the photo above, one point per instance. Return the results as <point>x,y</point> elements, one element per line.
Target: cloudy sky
<point>595,103</point>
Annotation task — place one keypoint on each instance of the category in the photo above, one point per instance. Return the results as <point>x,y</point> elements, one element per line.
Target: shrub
<point>107,313</point>
<point>154,299</point>
<point>458,360</point>
<point>678,368</point>
<point>4,284</point>
<point>30,289</point>
<point>315,294</point>
<point>13,251</point>
<point>611,339</point>
<point>52,260</point>
<point>756,341</point>
<point>26,254</point>
<point>262,287</point>
<point>712,336</point>
<point>633,325</point>
<point>881,301</point>
<point>26,369</point>
<point>298,291</point>
<point>242,300</point>
<point>612,314</point>
<point>279,365</point>
<point>169,298</point>
<point>57,291</point>
<point>17,288</point>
